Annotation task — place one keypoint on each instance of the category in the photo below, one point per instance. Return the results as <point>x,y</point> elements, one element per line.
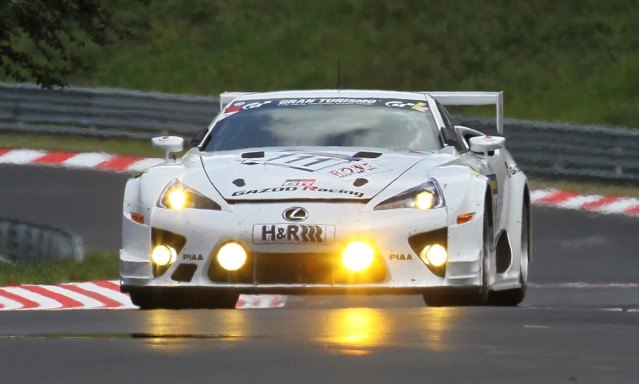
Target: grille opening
<point>503,253</point>
<point>421,240</point>
<point>297,268</point>
<point>184,272</point>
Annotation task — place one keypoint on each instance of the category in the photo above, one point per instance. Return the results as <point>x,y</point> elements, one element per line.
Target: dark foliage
<point>43,40</point>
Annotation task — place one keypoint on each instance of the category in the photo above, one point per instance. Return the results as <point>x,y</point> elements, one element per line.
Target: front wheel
<point>456,297</point>
<point>513,297</point>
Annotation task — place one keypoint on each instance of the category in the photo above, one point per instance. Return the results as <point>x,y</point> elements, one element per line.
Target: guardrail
<point>22,242</point>
<point>544,149</point>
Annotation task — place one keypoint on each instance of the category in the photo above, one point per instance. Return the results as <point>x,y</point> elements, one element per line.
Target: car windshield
<point>340,122</point>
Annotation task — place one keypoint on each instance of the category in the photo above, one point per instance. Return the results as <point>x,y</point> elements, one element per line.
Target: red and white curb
<point>99,161</point>
<point>592,203</point>
<point>103,294</point>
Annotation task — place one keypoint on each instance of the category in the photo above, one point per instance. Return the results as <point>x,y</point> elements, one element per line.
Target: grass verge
<point>95,266</point>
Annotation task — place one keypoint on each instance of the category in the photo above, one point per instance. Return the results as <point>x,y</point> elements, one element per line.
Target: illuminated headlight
<point>358,256</point>
<point>231,256</point>
<point>163,255</point>
<point>435,255</point>
<point>178,196</point>
<point>423,197</point>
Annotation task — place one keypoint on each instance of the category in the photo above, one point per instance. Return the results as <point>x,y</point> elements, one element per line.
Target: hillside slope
<point>574,61</point>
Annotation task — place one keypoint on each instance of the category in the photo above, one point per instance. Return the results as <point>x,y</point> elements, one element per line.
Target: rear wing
<point>474,98</point>
<point>227,97</point>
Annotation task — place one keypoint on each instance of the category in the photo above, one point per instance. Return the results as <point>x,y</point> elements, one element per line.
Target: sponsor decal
<point>299,182</point>
<point>414,105</point>
<point>400,256</point>
<point>295,214</point>
<point>355,169</point>
<point>256,104</point>
<point>314,188</point>
<point>234,108</point>
<point>293,233</point>
<point>326,101</point>
<point>512,169</point>
<point>303,160</point>
<point>493,182</point>
<point>192,257</point>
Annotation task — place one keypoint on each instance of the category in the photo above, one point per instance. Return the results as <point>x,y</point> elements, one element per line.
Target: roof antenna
<point>338,81</point>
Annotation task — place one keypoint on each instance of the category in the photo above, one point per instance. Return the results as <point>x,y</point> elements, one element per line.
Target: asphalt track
<point>561,333</point>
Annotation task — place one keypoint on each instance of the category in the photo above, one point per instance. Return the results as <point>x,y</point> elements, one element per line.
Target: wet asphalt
<point>561,333</point>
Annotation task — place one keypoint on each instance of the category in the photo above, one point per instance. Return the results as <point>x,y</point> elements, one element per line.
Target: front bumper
<point>389,230</point>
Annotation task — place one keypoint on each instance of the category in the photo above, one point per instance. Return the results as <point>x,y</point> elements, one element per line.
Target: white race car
<point>330,192</point>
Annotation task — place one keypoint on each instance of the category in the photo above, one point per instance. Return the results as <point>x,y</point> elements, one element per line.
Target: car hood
<point>309,174</point>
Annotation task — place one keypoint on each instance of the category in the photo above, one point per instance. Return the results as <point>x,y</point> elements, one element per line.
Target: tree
<point>43,40</point>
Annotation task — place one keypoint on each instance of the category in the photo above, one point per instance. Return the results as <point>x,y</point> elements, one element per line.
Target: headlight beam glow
<point>231,256</point>
<point>177,198</point>
<point>163,255</point>
<point>434,254</point>
<point>358,256</point>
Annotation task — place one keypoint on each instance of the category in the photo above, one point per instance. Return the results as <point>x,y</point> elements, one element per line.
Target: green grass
<point>573,61</point>
<point>96,266</point>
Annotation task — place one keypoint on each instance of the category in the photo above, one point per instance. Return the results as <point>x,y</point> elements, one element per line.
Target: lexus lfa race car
<point>330,192</point>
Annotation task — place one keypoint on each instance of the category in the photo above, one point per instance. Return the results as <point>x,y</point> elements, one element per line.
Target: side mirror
<point>168,144</point>
<point>486,144</point>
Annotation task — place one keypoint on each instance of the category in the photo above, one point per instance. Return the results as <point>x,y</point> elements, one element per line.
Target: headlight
<point>423,197</point>
<point>178,196</point>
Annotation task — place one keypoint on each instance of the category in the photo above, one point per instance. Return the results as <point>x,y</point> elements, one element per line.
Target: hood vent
<point>367,155</point>
<point>360,182</point>
<point>253,155</point>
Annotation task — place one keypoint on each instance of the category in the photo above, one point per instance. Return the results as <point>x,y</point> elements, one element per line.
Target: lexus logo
<point>295,214</point>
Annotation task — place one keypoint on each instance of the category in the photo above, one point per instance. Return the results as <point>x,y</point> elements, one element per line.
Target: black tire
<point>513,297</point>
<point>466,297</point>
<point>158,299</point>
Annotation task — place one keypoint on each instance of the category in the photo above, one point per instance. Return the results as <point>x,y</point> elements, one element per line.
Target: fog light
<point>232,256</point>
<point>358,256</point>
<point>163,255</point>
<point>434,254</point>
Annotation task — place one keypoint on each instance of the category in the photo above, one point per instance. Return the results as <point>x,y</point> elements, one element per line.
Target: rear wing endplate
<point>474,98</point>
<point>227,97</point>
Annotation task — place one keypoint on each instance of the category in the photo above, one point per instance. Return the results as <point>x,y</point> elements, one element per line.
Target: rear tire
<point>457,297</point>
<point>158,299</point>
<point>513,297</point>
